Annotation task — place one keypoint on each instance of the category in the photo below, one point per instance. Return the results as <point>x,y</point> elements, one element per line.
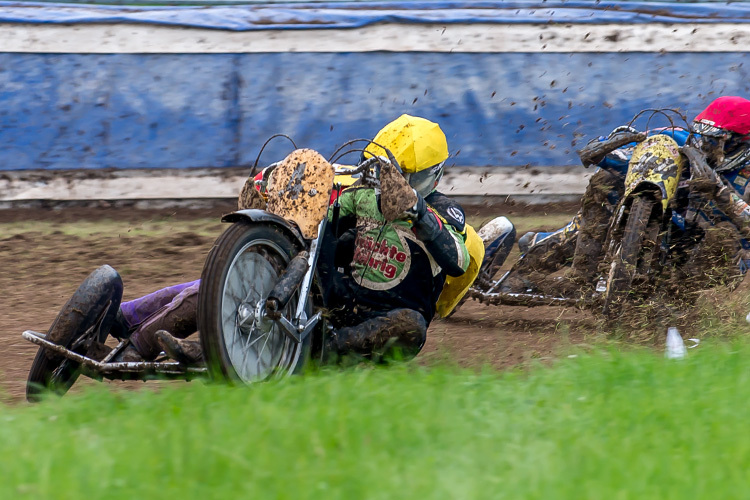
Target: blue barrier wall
<point>137,110</point>
<point>156,111</point>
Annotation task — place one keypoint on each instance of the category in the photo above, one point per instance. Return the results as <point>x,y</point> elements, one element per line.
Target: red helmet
<point>725,125</point>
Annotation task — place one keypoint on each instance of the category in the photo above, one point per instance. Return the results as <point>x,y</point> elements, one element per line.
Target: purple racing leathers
<point>173,309</point>
<point>135,311</point>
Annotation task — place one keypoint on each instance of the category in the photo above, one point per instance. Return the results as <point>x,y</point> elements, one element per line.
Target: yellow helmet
<point>419,147</point>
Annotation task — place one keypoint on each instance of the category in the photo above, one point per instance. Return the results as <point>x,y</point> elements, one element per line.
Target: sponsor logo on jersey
<point>456,213</point>
<point>381,256</point>
<point>380,263</point>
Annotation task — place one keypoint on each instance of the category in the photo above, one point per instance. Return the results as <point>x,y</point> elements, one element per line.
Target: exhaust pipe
<point>289,281</point>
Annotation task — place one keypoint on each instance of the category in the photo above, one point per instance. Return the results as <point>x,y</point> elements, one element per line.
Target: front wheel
<point>240,272</point>
<point>84,319</point>
<point>633,255</point>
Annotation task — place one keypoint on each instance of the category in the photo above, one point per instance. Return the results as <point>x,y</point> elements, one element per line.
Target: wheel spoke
<point>249,344</point>
<point>260,355</point>
<point>256,297</point>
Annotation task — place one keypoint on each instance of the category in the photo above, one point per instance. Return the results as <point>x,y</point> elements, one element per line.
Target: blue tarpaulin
<point>72,111</point>
<point>358,14</point>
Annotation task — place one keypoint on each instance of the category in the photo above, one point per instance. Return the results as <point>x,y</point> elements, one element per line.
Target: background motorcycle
<point>489,290</point>
<point>662,228</point>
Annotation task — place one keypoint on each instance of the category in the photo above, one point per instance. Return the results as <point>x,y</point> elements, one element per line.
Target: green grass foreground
<point>602,425</point>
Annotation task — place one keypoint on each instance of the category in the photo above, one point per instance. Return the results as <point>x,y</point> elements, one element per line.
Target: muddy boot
<point>400,329</point>
<point>498,236</point>
<point>186,352</point>
<point>120,327</point>
<point>178,317</point>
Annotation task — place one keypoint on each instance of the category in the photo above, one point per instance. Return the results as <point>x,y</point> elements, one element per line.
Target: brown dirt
<point>706,287</point>
<point>41,269</point>
<point>108,211</point>
<point>506,336</point>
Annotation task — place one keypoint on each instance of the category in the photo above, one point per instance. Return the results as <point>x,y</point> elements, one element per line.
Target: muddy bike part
<point>82,321</point>
<point>633,255</point>
<point>240,343</point>
<point>595,151</point>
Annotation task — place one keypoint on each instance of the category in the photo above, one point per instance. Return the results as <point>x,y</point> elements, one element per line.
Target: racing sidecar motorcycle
<point>657,229</point>
<point>260,307</point>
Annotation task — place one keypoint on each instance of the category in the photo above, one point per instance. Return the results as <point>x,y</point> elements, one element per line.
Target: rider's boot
<point>120,327</point>
<point>178,317</point>
<point>498,236</point>
<point>187,352</point>
<point>403,329</point>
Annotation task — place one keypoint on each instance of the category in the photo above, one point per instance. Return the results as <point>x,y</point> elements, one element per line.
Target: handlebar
<point>595,151</point>
<point>362,167</point>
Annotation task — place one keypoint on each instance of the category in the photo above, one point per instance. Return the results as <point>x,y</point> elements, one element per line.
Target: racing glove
<point>703,179</point>
<point>427,226</point>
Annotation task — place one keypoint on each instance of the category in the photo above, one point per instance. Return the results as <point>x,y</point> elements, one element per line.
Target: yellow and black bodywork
<point>656,165</point>
<point>456,287</point>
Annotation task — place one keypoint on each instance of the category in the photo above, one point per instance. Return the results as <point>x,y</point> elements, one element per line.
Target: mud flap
<point>300,188</point>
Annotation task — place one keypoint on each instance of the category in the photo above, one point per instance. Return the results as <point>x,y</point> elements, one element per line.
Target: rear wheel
<point>240,272</point>
<point>82,320</point>
<point>632,257</point>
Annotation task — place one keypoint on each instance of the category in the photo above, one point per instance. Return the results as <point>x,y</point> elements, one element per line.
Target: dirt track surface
<point>46,254</point>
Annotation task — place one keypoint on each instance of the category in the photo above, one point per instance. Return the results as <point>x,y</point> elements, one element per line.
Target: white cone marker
<point>675,346</point>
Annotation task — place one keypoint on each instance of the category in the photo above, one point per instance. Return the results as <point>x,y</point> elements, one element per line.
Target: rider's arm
<point>443,235</point>
<point>706,182</point>
<point>347,219</point>
<point>345,232</point>
<point>449,251</point>
<point>735,207</point>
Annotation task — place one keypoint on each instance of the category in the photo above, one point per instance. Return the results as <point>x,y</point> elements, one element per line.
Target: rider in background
<point>722,130</point>
<point>381,280</point>
<point>580,242</point>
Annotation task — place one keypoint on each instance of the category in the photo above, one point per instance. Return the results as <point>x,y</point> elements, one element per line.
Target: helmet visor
<point>709,131</point>
<point>425,181</point>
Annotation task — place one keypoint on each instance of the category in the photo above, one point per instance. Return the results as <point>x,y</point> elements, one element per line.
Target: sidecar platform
<point>520,299</point>
<point>119,371</point>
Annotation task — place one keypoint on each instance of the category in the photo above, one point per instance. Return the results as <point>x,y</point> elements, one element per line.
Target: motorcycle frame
<point>117,371</point>
<point>299,327</point>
